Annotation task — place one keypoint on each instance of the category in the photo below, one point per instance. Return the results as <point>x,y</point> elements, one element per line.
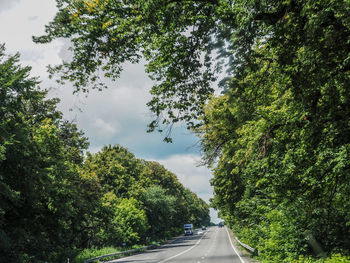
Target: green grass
<point>94,252</point>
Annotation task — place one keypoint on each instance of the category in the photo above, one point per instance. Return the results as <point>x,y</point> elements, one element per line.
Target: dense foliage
<point>281,132</point>
<point>156,202</point>
<point>54,201</point>
<point>38,173</point>
<point>279,135</point>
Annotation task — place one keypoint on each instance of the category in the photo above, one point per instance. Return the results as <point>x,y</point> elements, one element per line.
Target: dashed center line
<point>183,252</point>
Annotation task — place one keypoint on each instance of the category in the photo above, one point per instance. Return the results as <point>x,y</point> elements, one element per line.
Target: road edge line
<point>233,246</point>
<point>183,252</point>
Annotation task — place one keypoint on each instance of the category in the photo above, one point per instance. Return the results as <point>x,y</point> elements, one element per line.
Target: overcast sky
<point>118,115</point>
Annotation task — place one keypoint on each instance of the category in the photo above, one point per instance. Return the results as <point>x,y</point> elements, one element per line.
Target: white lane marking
<point>233,246</point>
<point>183,252</point>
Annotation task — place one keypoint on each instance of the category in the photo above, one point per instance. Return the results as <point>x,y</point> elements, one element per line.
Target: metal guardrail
<point>253,250</point>
<point>120,253</point>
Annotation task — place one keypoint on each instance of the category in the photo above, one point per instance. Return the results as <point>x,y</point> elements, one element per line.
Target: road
<point>209,246</point>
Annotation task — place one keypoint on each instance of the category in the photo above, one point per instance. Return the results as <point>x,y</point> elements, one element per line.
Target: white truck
<point>188,229</point>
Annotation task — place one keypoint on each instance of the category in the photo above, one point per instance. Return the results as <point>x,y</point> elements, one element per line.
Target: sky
<point>117,115</point>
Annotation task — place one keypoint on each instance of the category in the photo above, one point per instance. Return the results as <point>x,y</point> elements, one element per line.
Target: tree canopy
<point>178,39</point>
<point>38,176</point>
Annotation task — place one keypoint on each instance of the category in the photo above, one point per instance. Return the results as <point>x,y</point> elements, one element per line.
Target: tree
<point>160,210</point>
<point>148,189</point>
<point>273,181</point>
<point>118,170</point>
<point>126,221</point>
<point>198,209</point>
<point>75,143</point>
<point>36,175</point>
<point>188,207</point>
<point>159,175</point>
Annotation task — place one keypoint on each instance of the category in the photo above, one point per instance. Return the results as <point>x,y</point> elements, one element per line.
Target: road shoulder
<point>243,253</point>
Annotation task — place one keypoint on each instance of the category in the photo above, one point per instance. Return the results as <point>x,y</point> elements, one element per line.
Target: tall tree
<point>36,175</point>
<point>160,210</point>
<point>278,173</point>
<point>148,188</point>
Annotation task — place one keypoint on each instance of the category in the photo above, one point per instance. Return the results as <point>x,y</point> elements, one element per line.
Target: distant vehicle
<point>204,228</point>
<point>221,224</point>
<point>188,229</point>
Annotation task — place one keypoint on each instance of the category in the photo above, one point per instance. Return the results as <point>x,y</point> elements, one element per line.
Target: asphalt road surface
<point>208,246</point>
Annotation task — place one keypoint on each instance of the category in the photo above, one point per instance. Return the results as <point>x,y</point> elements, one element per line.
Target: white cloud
<point>119,107</point>
<point>7,4</point>
<point>19,22</point>
<point>104,128</point>
<point>20,25</point>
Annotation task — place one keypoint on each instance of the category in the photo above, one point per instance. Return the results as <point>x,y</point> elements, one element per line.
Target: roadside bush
<point>94,252</point>
<point>335,258</point>
<point>281,239</point>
